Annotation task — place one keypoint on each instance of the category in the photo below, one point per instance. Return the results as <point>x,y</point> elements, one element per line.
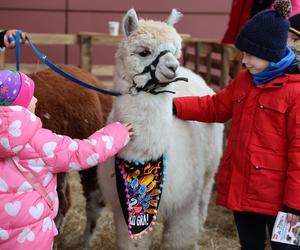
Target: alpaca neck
<point>151,118</point>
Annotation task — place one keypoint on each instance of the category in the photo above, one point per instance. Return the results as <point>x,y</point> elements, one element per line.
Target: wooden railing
<point>217,63</point>
<point>88,41</point>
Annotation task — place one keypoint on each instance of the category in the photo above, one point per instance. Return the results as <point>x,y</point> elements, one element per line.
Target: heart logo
<point>3,186</point>
<point>12,208</point>
<point>109,141</point>
<point>36,165</point>
<point>127,140</point>
<point>73,146</point>
<point>26,234</point>
<point>32,117</point>
<point>17,149</point>
<point>74,166</point>
<point>15,128</point>
<point>3,234</point>
<point>47,224</point>
<point>137,209</point>
<point>47,179</point>
<point>16,108</point>
<point>5,143</point>
<point>93,159</point>
<point>25,187</point>
<point>93,142</point>
<point>52,196</point>
<point>36,211</point>
<point>49,148</point>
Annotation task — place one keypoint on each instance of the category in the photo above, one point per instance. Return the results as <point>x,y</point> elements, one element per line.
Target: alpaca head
<point>147,58</point>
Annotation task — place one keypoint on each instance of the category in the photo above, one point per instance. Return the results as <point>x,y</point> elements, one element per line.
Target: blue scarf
<point>274,69</point>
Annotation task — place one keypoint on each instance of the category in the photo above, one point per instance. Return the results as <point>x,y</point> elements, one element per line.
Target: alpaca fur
<point>192,149</point>
<point>67,108</point>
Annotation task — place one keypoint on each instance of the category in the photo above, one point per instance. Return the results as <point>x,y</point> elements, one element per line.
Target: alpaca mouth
<point>169,77</point>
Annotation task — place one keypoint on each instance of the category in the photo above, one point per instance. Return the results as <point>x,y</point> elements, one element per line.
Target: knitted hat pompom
<point>283,7</point>
<point>265,34</point>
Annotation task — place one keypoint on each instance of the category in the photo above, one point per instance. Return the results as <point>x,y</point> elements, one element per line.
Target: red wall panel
<point>33,4</point>
<point>204,6</point>
<point>36,22</point>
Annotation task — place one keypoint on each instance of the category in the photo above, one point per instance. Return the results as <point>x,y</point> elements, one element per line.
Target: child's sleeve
<point>63,154</point>
<point>292,182</point>
<point>215,108</point>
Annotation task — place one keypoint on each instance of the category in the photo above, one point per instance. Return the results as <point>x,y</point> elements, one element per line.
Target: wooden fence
<point>216,62</point>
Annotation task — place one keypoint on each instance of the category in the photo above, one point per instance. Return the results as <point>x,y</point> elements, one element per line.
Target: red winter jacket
<point>239,15</point>
<point>260,168</point>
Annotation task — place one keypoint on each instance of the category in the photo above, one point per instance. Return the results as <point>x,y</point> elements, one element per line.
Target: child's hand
<point>130,129</point>
<point>12,33</point>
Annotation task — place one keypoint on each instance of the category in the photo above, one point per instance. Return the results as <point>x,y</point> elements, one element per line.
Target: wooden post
<point>208,63</point>
<point>184,53</point>
<point>225,67</point>
<point>197,57</point>
<point>2,59</point>
<point>85,42</point>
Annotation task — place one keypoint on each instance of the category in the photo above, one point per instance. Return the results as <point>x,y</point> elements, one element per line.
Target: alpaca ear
<point>174,17</point>
<point>130,22</point>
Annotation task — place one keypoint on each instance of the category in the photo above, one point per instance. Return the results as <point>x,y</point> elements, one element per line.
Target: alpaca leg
<point>205,198</point>
<point>182,229</point>
<point>63,192</point>
<point>123,240</point>
<point>94,202</point>
<point>94,206</point>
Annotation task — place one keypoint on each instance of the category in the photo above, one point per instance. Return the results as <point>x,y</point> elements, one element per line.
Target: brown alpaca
<point>70,109</point>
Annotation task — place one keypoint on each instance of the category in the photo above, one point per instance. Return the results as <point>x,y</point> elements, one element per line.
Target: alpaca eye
<point>145,53</point>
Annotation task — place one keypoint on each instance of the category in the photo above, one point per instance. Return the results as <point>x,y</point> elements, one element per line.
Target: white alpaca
<point>192,149</point>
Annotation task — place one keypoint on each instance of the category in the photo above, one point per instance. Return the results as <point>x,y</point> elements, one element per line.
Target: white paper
<point>286,232</point>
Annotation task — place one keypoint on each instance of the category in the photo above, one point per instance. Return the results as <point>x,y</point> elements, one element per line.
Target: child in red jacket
<point>259,173</point>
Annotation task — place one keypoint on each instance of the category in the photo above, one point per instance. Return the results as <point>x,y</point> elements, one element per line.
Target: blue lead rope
<point>18,34</point>
<point>55,68</point>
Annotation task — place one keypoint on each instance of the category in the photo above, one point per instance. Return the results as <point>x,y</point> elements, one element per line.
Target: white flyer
<point>286,231</point>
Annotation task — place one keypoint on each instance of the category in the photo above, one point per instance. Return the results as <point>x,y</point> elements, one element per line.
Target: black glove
<point>291,210</point>
<point>174,109</point>
<point>2,34</point>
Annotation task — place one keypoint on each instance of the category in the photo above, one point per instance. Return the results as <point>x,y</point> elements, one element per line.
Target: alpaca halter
<point>153,83</point>
<point>139,187</point>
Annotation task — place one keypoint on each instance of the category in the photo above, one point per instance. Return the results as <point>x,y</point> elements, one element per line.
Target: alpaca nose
<point>173,68</point>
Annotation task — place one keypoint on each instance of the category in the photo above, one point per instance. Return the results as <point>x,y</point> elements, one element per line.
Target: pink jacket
<point>295,7</point>
<point>26,220</point>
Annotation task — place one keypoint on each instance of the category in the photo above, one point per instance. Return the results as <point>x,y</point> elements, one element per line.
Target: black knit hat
<point>265,34</point>
<point>295,24</point>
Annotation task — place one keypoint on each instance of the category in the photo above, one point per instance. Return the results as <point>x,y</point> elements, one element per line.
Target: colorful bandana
<point>139,187</point>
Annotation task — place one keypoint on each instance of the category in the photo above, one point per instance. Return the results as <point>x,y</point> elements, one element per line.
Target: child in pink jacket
<point>30,158</point>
